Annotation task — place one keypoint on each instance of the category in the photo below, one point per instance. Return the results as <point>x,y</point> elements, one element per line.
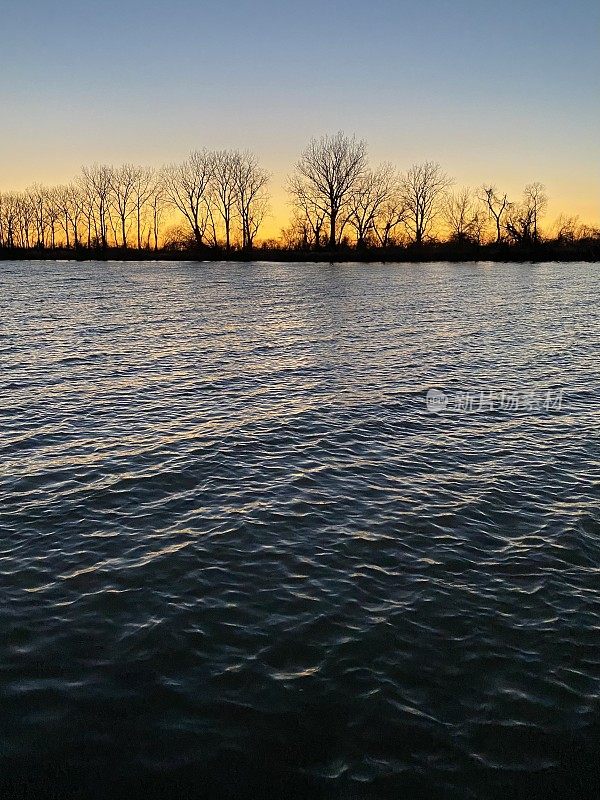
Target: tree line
<point>220,197</point>
<point>338,197</point>
<point>219,200</point>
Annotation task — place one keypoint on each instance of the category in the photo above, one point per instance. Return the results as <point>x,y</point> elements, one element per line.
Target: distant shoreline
<point>583,250</point>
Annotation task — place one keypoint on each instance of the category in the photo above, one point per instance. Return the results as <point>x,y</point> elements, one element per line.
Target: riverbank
<point>582,250</point>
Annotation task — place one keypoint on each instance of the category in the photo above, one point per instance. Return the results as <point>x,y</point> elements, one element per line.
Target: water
<point>240,558</point>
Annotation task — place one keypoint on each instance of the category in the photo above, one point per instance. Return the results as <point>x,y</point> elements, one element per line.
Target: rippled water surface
<point>240,558</point>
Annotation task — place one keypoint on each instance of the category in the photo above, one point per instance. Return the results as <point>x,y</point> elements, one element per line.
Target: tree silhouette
<point>328,172</point>
<point>464,216</point>
<point>187,187</point>
<point>496,205</point>
<point>251,195</point>
<point>373,189</point>
<point>422,190</point>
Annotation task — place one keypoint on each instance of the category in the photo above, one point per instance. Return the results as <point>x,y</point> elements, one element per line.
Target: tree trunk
<point>332,223</point>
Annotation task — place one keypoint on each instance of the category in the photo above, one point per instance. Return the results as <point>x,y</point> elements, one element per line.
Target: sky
<point>503,92</point>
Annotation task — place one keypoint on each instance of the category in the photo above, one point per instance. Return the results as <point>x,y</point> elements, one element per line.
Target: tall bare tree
<point>122,196</point>
<point>423,188</point>
<point>63,201</point>
<point>328,172</point>
<point>72,206</point>
<point>37,199</point>
<point>26,218</point>
<point>187,188</point>
<point>157,204</point>
<point>251,198</point>
<point>87,211</point>
<point>144,185</point>
<point>496,205</point>
<point>9,213</point>
<point>536,199</point>
<point>53,213</point>
<point>223,188</point>
<point>96,183</point>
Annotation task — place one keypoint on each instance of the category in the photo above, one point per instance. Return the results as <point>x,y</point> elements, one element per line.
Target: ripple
<point>239,557</point>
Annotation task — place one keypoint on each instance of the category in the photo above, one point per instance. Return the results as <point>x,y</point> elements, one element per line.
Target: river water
<point>240,556</point>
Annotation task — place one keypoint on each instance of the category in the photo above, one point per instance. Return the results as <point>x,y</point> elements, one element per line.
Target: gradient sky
<point>506,92</point>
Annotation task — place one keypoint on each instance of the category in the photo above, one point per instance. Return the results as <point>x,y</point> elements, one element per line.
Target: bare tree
<point>309,217</point>
<point>390,216</point>
<point>131,187</point>
<point>26,219</point>
<point>186,187</point>
<point>145,184</point>
<point>63,201</point>
<point>178,237</point>
<point>37,198</point>
<point>298,235</point>
<point>157,204</point>
<point>2,222</point>
<point>589,232</point>
<point>53,212</point>
<point>70,205</point>
<point>536,199</point>
<point>251,196</point>
<point>223,188</point>
<point>423,188</point>
<point>522,219</point>
<point>519,223</point>
<point>87,210</point>
<point>254,219</point>
<point>567,228</point>
<point>328,171</point>
<point>373,190</point>
<point>122,184</point>
<point>464,216</point>
<point>496,205</point>
<point>9,212</point>
<point>96,183</point>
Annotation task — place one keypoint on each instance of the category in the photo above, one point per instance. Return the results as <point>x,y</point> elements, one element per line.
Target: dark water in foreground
<point>239,557</point>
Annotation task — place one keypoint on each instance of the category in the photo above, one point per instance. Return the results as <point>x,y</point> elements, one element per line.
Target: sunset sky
<point>503,92</point>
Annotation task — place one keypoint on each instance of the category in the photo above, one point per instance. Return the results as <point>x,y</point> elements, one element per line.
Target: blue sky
<point>504,92</point>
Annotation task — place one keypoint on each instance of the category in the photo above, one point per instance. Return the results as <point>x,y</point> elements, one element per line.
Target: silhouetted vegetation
<point>213,204</point>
